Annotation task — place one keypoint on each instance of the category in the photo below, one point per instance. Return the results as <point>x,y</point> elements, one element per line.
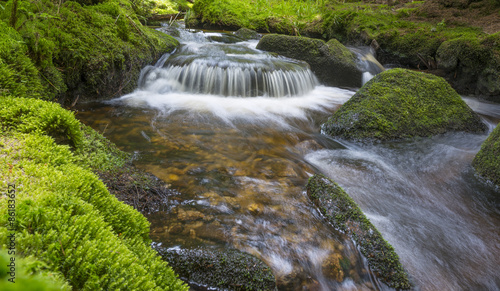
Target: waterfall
<point>367,63</point>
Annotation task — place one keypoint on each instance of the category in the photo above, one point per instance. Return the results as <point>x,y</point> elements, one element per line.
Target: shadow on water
<point>241,165</point>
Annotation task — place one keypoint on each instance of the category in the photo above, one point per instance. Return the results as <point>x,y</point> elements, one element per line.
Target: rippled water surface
<point>241,165</point>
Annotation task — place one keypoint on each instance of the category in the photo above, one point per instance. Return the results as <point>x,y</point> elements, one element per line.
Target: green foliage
<point>40,117</point>
<point>86,51</point>
<point>30,274</point>
<point>66,218</point>
<point>488,158</point>
<point>18,75</point>
<point>400,103</point>
<point>344,214</point>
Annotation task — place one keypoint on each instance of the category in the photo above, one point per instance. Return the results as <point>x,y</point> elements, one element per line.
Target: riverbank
<point>436,36</point>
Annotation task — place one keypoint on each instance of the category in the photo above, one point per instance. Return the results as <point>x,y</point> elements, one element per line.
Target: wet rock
<point>308,146</point>
<point>186,215</point>
<point>472,66</point>
<point>256,208</point>
<point>331,267</point>
<point>487,160</point>
<point>400,104</point>
<point>344,214</point>
<point>247,34</point>
<point>331,62</point>
<point>221,268</point>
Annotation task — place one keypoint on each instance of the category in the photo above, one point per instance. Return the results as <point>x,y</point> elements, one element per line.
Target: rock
<point>471,66</point>
<point>219,268</point>
<point>332,63</point>
<point>188,215</point>
<point>398,104</point>
<point>247,34</point>
<point>331,267</point>
<point>344,214</point>
<point>487,160</point>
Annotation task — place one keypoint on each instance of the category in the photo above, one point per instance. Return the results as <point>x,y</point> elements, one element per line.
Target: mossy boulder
<point>471,65</point>
<point>344,214</point>
<point>247,34</point>
<point>399,104</point>
<point>221,268</point>
<point>332,63</point>
<point>487,160</point>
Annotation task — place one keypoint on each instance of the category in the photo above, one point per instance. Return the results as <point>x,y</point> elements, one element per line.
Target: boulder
<point>487,160</point>
<point>399,104</point>
<point>332,63</point>
<point>219,268</point>
<point>247,34</point>
<point>345,215</point>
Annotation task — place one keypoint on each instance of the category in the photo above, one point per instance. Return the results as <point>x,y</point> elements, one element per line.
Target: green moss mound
<point>29,274</point>
<point>487,160</point>
<point>344,214</point>
<point>225,269</point>
<point>65,216</point>
<point>31,115</point>
<point>331,62</point>
<point>398,104</point>
<point>18,74</point>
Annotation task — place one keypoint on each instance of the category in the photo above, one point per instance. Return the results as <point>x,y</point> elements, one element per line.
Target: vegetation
<point>75,51</point>
<point>30,274</point>
<point>65,216</point>
<point>400,103</point>
<point>488,158</point>
<point>409,33</point>
<point>344,214</point>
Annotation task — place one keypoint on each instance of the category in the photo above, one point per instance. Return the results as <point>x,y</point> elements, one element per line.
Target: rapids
<point>236,130</point>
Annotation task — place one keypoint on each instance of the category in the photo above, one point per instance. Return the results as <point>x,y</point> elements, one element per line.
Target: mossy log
<point>345,215</point>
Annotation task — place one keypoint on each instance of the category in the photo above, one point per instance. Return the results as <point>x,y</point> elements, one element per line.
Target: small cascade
<point>367,63</point>
<point>201,66</point>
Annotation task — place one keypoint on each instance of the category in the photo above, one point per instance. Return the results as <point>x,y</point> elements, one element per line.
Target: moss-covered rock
<point>224,269</point>
<point>487,160</point>
<point>400,103</point>
<point>246,34</point>
<point>344,214</point>
<point>331,62</point>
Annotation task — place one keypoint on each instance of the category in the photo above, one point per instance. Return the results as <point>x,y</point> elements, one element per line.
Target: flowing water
<point>236,130</point>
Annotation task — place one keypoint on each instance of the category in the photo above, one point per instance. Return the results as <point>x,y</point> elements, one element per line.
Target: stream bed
<point>237,132</point>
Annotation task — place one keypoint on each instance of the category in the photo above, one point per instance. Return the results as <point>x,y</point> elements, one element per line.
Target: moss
<point>41,117</point>
<point>66,218</point>
<point>344,214</point>
<point>487,160</point>
<point>210,267</point>
<point>18,74</point>
<point>331,62</point>
<point>29,274</point>
<point>94,51</point>
<point>399,104</point>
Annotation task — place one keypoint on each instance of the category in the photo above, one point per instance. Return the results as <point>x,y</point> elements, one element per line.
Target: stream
<point>237,132</point>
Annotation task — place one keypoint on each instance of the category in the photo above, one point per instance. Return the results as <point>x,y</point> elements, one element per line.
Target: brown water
<point>241,165</point>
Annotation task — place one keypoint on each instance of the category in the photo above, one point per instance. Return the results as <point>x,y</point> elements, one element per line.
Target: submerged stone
<point>487,160</point>
<point>223,269</point>
<point>399,104</point>
<point>247,34</point>
<point>332,63</point>
<point>344,214</point>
